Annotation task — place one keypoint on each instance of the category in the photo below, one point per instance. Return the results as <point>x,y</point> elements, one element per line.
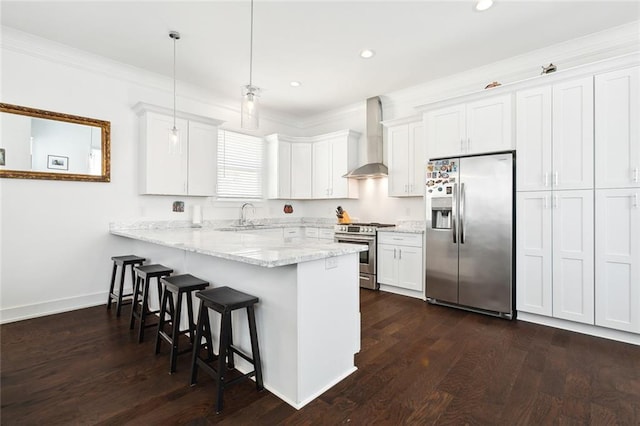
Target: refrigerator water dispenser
<point>441,212</point>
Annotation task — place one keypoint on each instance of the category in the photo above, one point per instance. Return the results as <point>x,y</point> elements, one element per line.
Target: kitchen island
<point>308,318</point>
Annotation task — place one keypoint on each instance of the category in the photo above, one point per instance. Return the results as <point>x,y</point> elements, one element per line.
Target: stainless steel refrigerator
<point>470,232</point>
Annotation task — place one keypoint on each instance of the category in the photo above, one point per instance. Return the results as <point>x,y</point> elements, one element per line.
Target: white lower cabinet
<point>617,259</point>
<point>555,249</point>
<point>399,259</point>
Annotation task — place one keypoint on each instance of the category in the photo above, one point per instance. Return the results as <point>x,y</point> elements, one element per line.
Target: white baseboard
<point>19,313</point>
<point>402,291</point>
<point>591,330</point>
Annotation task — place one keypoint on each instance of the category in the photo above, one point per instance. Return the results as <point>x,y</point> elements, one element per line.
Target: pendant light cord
<point>251,49</point>
<point>174,79</point>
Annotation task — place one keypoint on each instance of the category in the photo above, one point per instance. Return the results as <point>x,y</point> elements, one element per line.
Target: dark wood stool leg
<point>134,302</point>
<point>161,320</point>
<point>230,361</point>
<point>159,291</point>
<point>207,337</point>
<point>192,325</point>
<point>202,318</point>
<point>223,350</point>
<point>119,303</point>
<point>113,282</point>
<point>175,335</point>
<point>143,310</point>
<point>254,347</point>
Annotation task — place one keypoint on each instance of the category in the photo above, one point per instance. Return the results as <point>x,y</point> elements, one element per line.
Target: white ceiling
<point>314,42</point>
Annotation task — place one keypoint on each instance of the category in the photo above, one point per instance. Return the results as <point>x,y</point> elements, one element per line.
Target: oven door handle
<point>353,238</point>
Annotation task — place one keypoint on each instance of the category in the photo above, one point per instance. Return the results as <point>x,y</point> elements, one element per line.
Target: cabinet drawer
<point>292,232</point>
<point>326,234</point>
<point>311,232</point>
<point>400,239</point>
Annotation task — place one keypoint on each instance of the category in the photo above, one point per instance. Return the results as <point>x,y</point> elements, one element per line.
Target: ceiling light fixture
<point>295,84</point>
<point>483,5</point>
<point>173,133</point>
<point>250,93</point>
<point>367,53</point>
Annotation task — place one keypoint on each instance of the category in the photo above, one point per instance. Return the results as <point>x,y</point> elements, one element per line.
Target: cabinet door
<point>398,148</point>
<point>618,259</point>
<point>387,264</point>
<point>203,153</point>
<point>410,270</point>
<point>489,125</point>
<point>165,164</point>
<point>321,169</point>
<point>311,233</point>
<point>446,132</point>
<point>617,145</point>
<point>326,234</point>
<point>301,166</point>
<point>533,253</point>
<point>283,170</point>
<point>533,139</point>
<point>342,154</point>
<point>573,279</point>
<point>416,161</point>
<point>573,134</point>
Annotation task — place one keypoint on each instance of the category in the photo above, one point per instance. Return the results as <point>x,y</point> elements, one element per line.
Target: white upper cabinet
<point>533,139</point>
<point>406,158</point>
<point>617,128</point>
<point>186,167</point>
<point>471,128</point>
<point>301,166</point>
<point>333,156</point>
<point>279,167</point>
<point>618,259</point>
<point>573,134</point>
<point>554,136</point>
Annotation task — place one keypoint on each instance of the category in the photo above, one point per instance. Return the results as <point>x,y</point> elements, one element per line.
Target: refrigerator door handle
<point>462,213</point>
<point>454,212</point>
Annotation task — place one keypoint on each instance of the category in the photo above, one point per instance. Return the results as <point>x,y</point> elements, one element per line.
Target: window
<point>239,165</point>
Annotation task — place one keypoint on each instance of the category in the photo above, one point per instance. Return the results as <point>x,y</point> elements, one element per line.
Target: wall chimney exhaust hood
<point>373,168</point>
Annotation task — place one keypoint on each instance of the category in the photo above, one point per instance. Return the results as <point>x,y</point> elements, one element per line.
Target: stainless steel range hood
<point>373,168</point>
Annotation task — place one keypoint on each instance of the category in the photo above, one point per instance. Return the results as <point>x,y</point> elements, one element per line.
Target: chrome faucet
<point>243,217</point>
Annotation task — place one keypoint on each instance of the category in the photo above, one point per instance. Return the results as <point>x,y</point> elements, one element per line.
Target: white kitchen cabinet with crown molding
<point>406,157</point>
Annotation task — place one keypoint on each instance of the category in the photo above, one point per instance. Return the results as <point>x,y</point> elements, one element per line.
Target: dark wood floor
<point>419,364</point>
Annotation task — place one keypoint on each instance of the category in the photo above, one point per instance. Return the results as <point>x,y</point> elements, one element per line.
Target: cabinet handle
<point>635,174</point>
<point>634,199</point>
<point>555,202</point>
<point>461,145</point>
<point>555,178</point>
<point>394,253</point>
<point>399,254</point>
<point>468,144</point>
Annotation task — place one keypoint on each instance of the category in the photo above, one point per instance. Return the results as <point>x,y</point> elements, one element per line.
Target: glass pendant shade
<point>250,107</point>
<point>174,139</point>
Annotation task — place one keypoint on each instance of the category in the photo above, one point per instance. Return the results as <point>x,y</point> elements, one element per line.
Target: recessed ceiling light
<point>367,53</point>
<point>482,5</point>
<point>295,84</point>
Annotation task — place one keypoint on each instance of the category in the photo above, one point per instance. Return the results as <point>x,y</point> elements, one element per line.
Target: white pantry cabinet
<point>471,128</point>
<point>187,167</point>
<point>406,157</point>
<point>617,259</point>
<point>333,156</point>
<point>554,136</point>
<point>399,260</point>
<point>555,252</point>
<point>617,128</point>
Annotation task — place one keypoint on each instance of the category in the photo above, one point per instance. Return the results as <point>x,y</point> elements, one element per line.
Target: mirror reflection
<point>38,144</point>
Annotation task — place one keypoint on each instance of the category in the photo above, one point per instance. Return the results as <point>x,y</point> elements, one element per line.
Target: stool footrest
<point>242,354</point>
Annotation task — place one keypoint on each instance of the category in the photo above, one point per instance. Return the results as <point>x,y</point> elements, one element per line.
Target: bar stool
<point>224,300</point>
<point>177,285</point>
<point>123,261</point>
<point>144,274</point>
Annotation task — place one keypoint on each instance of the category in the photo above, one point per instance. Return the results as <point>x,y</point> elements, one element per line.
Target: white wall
<point>54,241</point>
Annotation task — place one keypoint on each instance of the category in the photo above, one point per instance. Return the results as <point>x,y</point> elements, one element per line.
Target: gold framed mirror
<point>39,144</point>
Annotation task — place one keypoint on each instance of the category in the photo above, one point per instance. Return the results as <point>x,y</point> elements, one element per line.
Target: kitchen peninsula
<point>308,318</point>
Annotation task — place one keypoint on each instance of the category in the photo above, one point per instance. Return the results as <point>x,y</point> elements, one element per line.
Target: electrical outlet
<point>331,262</point>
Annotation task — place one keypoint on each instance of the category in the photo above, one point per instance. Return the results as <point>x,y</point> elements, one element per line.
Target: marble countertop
<point>408,227</point>
<point>243,247</point>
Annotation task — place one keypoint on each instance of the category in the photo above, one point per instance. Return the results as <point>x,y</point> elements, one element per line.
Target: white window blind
<point>239,165</point>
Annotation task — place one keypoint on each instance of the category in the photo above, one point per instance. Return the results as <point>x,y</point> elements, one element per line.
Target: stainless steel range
<point>365,234</point>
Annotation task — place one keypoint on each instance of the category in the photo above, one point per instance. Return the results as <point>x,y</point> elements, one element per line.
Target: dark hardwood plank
<point>418,364</point>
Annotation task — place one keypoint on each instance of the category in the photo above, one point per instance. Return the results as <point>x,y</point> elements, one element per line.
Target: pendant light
<point>173,132</point>
<point>250,93</point>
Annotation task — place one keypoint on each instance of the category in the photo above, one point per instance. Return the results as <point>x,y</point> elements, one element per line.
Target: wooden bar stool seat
<point>177,285</point>
<point>119,297</point>
<point>225,300</point>
<point>140,308</point>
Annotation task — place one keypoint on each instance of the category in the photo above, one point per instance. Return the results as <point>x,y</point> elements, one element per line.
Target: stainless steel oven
<point>364,234</point>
